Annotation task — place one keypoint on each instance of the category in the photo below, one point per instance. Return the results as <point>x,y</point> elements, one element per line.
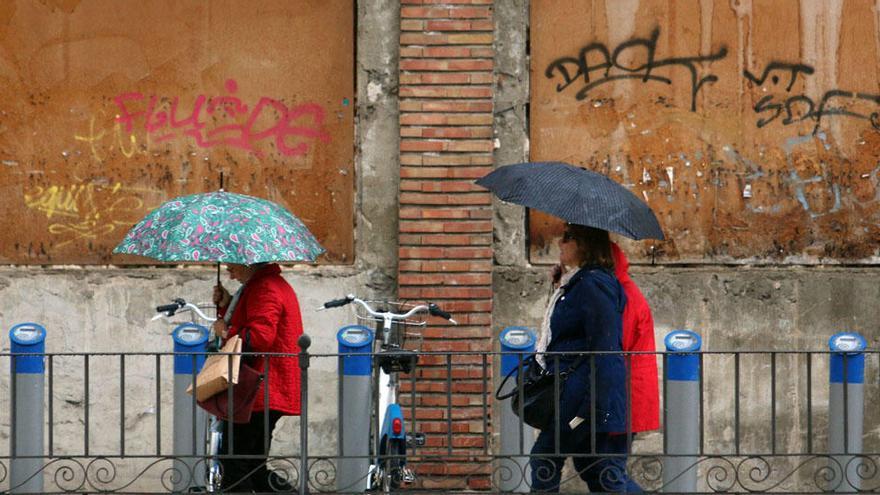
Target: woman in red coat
<point>265,314</point>
<point>638,335</point>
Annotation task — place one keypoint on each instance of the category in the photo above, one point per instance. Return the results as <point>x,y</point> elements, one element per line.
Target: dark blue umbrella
<point>575,195</point>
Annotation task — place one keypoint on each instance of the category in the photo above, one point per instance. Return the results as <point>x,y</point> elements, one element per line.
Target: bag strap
<point>498,394</point>
<point>563,375</point>
<point>245,335</point>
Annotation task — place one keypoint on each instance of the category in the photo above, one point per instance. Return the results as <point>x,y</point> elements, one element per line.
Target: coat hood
<point>621,264</point>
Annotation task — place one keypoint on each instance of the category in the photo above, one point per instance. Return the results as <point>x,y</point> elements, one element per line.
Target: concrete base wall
<point>743,309</point>
<point>109,310</point>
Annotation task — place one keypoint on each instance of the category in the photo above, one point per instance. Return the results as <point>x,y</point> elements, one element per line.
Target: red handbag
<point>244,394</point>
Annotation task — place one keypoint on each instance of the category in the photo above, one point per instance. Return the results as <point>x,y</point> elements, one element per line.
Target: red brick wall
<point>446,140</point>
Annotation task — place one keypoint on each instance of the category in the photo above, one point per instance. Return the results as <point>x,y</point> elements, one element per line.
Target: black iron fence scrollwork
<point>765,422</point>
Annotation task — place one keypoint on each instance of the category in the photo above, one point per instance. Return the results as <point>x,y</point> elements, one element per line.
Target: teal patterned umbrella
<point>221,227</point>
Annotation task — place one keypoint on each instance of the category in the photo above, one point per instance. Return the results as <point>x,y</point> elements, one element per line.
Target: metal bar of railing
<point>13,413</point>
<point>773,403</point>
<point>267,435</point>
<point>340,392</point>
<point>86,405</point>
<point>736,438</point>
<point>51,396</point>
<point>810,403</point>
<point>521,395</point>
<point>449,402</point>
<point>556,401</point>
<point>593,381</point>
<point>666,403</point>
<point>122,405</point>
<point>845,405</point>
<point>485,401</point>
<point>412,403</point>
<point>627,360</point>
<point>229,431</point>
<point>158,405</point>
<point>304,343</point>
<point>700,400</point>
<point>194,404</point>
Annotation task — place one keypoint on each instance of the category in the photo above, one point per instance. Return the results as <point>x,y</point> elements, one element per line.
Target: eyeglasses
<point>567,236</point>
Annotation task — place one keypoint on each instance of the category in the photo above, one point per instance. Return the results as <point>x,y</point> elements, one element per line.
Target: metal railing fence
<point>763,425</point>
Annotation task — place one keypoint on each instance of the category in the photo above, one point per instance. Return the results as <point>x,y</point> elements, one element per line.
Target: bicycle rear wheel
<point>392,463</point>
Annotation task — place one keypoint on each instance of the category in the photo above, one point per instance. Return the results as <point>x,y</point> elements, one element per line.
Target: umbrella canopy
<point>575,195</point>
<point>222,227</point>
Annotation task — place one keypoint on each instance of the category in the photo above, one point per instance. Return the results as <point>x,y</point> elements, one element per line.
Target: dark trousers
<point>601,473</point>
<point>245,475</point>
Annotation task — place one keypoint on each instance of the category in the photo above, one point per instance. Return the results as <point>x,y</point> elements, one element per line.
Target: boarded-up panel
<point>110,107</point>
<point>751,128</point>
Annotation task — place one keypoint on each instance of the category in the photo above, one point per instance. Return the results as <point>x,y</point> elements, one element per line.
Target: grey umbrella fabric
<point>575,195</point>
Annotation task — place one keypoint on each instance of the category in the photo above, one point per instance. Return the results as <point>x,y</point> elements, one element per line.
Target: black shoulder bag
<point>538,402</point>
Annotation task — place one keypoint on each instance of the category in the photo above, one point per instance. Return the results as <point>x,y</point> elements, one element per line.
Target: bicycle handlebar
<point>171,308</point>
<point>431,308</point>
<point>179,306</point>
<point>337,302</point>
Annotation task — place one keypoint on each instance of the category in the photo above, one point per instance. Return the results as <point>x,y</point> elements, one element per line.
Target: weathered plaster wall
<point>107,309</point>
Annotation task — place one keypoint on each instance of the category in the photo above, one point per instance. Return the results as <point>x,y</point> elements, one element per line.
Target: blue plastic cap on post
<point>189,339</point>
<point>355,339</point>
<point>847,347</point>
<point>28,338</point>
<point>515,340</point>
<point>683,364</point>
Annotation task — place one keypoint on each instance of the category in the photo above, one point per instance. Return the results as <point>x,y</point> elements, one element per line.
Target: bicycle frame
<point>388,469</point>
<point>213,431</point>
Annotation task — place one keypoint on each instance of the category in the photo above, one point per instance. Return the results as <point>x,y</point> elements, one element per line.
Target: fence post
<point>517,437</point>
<point>27,384</point>
<point>304,342</point>
<point>189,420</point>
<point>847,406</point>
<point>354,413</point>
<point>682,428</point>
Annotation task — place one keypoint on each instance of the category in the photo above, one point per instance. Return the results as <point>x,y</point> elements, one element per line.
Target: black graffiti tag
<point>800,107</point>
<point>792,69</point>
<point>609,67</point>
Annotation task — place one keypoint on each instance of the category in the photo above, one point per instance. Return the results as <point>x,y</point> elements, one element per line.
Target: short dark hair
<point>594,245</point>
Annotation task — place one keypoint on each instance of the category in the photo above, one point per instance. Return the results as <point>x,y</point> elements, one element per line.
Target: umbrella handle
<point>217,306</point>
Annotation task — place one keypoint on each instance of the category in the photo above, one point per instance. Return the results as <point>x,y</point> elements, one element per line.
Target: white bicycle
<point>388,469</point>
<point>214,426</point>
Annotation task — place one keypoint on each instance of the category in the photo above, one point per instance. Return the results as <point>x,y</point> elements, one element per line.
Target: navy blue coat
<point>589,317</point>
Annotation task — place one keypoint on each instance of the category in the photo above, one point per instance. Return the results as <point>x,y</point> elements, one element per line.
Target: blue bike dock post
<point>846,415</point>
<point>27,384</point>
<point>355,369</point>
<point>517,437</point>
<point>681,427</point>
<point>190,344</point>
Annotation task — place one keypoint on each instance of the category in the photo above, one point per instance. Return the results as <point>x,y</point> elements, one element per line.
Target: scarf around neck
<point>545,334</point>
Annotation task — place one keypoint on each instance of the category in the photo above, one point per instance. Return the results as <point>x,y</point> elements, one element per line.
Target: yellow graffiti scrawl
<point>126,143</point>
<point>90,211</point>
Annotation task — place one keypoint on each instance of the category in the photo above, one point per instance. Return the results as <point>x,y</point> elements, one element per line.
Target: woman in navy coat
<point>585,314</point>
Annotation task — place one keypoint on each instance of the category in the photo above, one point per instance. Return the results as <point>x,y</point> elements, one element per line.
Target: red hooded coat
<point>268,311</point>
<point>638,335</point>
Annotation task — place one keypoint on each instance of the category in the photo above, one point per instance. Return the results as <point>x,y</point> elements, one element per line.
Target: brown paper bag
<point>214,375</point>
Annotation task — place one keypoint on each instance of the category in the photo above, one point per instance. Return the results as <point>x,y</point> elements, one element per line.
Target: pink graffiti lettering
<point>233,123</point>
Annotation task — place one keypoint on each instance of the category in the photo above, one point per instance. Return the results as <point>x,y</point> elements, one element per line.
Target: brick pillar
<point>446,141</point>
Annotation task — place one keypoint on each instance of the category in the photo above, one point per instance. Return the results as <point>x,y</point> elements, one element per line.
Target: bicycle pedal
<point>417,439</point>
<point>407,476</point>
